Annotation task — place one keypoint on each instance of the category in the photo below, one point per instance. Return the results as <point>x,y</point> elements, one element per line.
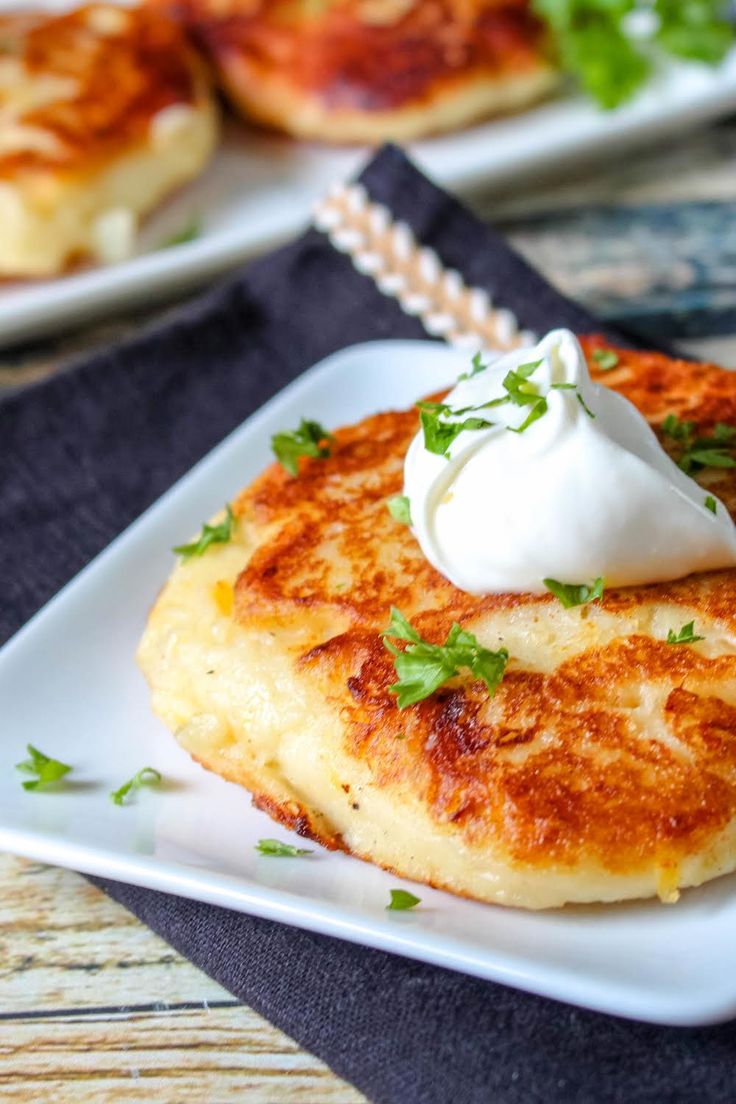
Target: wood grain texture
<point>94,1008</point>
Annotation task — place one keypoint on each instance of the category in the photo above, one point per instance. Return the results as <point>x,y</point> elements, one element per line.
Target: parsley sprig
<point>697,452</point>
<point>575,594</point>
<point>686,635</point>
<point>310,439</point>
<point>610,61</point>
<point>210,534</point>
<point>47,770</point>
<point>281,850</point>
<point>423,667</point>
<point>145,777</point>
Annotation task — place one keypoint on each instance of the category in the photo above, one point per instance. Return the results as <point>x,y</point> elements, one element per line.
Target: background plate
<point>68,683</point>
<point>260,189</point>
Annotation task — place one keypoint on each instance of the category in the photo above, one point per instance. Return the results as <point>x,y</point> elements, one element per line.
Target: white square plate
<point>69,684</point>
<point>260,188</point>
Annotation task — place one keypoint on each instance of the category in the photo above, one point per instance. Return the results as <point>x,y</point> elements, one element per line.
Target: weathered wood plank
<point>220,1054</point>
<point>95,1008</point>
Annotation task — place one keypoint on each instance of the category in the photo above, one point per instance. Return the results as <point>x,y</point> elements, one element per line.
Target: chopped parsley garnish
<point>47,771</point>
<point>439,435</point>
<point>686,635</point>
<point>281,850</point>
<point>400,509</point>
<point>189,232</point>
<point>478,367</point>
<point>605,359</point>
<point>308,440</point>
<point>402,900</point>
<point>578,396</point>
<point>714,451</point>
<point>146,777</point>
<point>597,44</point>
<point>585,407</point>
<point>575,594</point>
<point>711,504</point>
<point>422,667</point>
<point>523,393</point>
<point>211,534</point>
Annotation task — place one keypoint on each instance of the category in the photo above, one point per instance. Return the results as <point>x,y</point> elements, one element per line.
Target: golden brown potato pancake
<point>103,112</point>
<point>371,70</point>
<point>605,766</point>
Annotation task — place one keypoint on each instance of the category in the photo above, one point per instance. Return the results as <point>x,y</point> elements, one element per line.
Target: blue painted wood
<point>665,270</point>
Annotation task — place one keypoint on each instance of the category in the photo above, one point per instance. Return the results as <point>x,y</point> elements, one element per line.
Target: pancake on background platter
<point>372,70</point>
<point>601,765</point>
<point>103,112</point>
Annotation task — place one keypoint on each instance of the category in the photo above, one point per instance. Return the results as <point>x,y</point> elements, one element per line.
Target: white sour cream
<point>573,497</point>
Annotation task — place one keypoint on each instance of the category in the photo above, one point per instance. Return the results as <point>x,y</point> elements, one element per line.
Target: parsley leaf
<point>402,900</point>
<point>146,777</point>
<point>281,850</point>
<point>439,435</point>
<point>714,451</point>
<point>597,46</point>
<point>694,29</point>
<point>605,359</point>
<point>522,393</point>
<point>478,367</point>
<point>211,534</point>
<point>575,594</point>
<point>400,509</point>
<point>189,232</point>
<point>711,504</point>
<point>686,635</point>
<point>422,667</point>
<point>304,441</point>
<point>47,770</point>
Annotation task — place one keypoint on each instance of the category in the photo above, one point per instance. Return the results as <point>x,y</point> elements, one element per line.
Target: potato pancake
<point>372,70</point>
<point>604,767</point>
<point>103,112</point>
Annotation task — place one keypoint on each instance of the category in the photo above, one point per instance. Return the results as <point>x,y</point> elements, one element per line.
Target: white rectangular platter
<point>69,684</point>
<point>260,189</point>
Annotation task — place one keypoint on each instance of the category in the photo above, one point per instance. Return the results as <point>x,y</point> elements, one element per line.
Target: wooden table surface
<point>93,1006</point>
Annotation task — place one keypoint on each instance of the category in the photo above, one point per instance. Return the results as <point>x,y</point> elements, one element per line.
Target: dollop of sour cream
<point>584,491</point>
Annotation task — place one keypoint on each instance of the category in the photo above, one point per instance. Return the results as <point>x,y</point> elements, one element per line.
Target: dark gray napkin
<point>82,455</point>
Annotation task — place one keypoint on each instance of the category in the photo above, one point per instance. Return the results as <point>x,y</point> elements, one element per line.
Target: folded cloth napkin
<point>84,454</point>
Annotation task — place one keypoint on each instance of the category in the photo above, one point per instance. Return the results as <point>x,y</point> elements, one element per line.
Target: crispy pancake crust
<point>603,768</point>
<point>369,70</point>
<point>102,112</point>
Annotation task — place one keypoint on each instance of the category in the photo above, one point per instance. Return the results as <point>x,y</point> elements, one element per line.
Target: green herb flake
<point>399,508</point>
<point>146,777</point>
<point>308,440</point>
<point>698,452</point>
<point>478,367</point>
<point>711,504</point>
<point>584,405</point>
<point>402,901</point>
<point>422,667</point>
<point>605,359</point>
<point>48,771</point>
<point>211,534</point>
<point>439,435</point>
<point>686,635</point>
<point>575,594</point>
<point>188,233</point>
<point>280,850</point>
